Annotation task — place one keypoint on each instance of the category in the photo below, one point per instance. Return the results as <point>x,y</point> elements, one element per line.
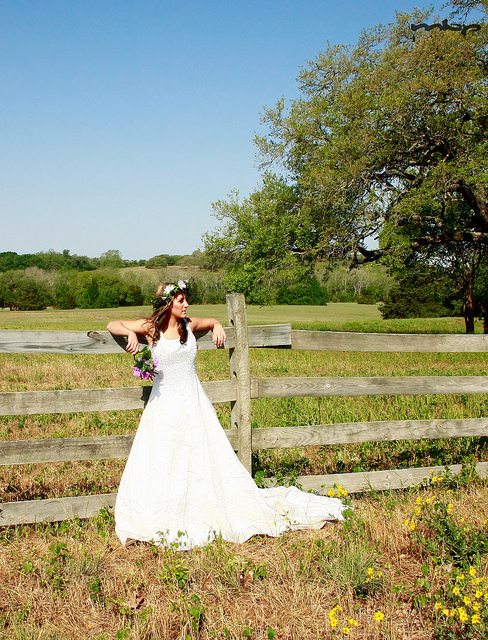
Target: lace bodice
<point>176,361</point>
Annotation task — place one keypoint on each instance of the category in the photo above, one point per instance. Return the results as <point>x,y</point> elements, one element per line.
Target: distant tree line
<point>65,281</point>
<point>428,290</point>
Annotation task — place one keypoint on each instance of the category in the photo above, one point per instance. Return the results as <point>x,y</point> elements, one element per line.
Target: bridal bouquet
<point>145,365</point>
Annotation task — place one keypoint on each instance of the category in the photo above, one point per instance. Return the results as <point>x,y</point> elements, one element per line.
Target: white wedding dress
<point>183,483</point>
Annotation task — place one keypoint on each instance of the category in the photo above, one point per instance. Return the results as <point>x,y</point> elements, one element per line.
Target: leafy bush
<point>97,290</point>
<point>420,294</point>
<point>24,293</point>
<point>305,292</point>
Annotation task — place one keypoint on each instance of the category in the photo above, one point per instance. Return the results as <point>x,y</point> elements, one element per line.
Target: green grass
<point>337,316</point>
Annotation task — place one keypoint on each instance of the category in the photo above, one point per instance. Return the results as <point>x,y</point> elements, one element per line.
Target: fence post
<point>239,371</point>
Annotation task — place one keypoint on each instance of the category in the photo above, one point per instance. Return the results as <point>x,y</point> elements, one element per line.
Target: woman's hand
<point>131,329</point>
<point>132,343</point>
<point>218,334</point>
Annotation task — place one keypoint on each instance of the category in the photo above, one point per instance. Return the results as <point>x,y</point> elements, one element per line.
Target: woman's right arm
<point>130,328</point>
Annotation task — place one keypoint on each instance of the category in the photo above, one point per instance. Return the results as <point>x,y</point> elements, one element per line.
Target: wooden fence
<point>239,389</point>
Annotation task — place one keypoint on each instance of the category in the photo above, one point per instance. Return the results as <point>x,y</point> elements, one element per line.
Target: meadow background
<point>387,568</point>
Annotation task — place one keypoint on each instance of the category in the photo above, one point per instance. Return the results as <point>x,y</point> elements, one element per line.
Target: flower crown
<point>170,291</point>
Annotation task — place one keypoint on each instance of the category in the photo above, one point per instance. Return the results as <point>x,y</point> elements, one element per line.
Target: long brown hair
<point>160,316</point>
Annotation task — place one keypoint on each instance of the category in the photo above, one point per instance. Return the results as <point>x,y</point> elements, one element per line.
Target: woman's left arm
<point>203,324</point>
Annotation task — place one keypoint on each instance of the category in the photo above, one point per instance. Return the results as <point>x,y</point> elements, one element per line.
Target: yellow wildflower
<point>476,607</point>
<point>463,616</point>
<point>478,594</point>
<point>460,576</point>
<point>331,493</point>
<point>346,631</point>
<point>412,526</point>
<point>452,613</point>
<point>417,510</point>
<point>370,572</point>
<point>378,616</point>
<point>450,507</point>
<point>333,622</point>
<point>352,622</point>
<point>467,601</point>
<point>406,523</point>
<point>456,591</point>
<point>445,612</point>
<point>380,574</point>
<point>437,606</point>
<point>472,571</point>
<point>475,619</point>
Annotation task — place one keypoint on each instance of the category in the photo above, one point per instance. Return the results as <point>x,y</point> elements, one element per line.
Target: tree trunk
<point>468,310</point>
<point>484,312</point>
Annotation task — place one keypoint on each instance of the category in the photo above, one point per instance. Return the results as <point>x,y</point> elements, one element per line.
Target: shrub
<point>101,290</point>
<point>304,292</point>
<point>24,293</point>
<point>419,295</point>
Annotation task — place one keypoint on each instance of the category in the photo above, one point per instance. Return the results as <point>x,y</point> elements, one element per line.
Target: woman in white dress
<point>183,484</point>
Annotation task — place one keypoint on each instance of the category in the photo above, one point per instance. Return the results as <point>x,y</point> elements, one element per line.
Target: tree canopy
<point>385,151</point>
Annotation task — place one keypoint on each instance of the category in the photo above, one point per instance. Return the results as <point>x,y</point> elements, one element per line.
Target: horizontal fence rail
<point>14,341</point>
<point>65,449</point>
<point>16,403</point>
<point>354,432</point>
<point>401,386</point>
<point>57,509</point>
<point>54,509</point>
<point>388,342</point>
<point>105,447</point>
<point>54,450</point>
<point>363,481</point>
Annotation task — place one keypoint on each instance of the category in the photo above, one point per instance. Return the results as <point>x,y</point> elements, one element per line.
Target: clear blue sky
<point>122,120</point>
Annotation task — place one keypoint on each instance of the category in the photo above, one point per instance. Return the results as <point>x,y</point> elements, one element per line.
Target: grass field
<point>394,568</point>
<point>337,316</point>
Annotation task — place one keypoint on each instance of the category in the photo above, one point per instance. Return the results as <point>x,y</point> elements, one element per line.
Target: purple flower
<point>145,365</point>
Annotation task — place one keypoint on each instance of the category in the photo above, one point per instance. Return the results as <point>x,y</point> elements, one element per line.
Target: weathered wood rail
<point>239,390</point>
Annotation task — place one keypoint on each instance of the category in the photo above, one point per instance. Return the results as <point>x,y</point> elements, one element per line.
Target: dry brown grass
<point>74,580</point>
